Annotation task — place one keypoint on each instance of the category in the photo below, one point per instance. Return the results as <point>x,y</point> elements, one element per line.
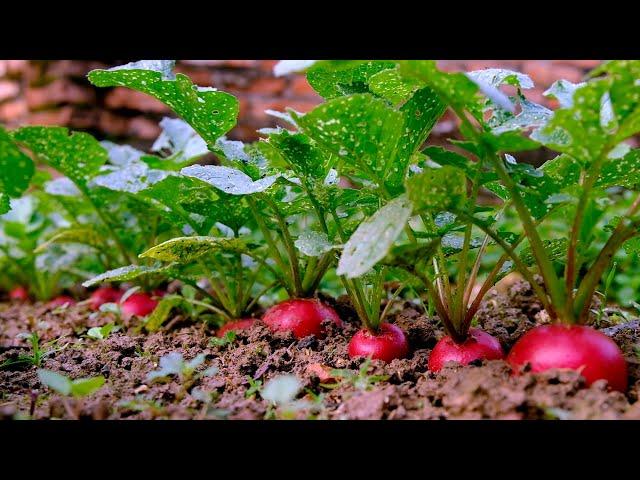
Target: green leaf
<point>455,89</point>
<point>16,170</point>
<point>5,203</point>
<point>55,381</point>
<point>126,274</point>
<point>497,77</point>
<point>296,152</point>
<point>578,131</point>
<point>555,248</point>
<point>63,187</point>
<point>281,390</point>
<point>538,192</point>
<point>361,129</point>
<point>100,333</point>
<point>410,255</point>
<point>509,141</point>
<point>313,244</point>
<point>229,180</point>
<point>624,95</point>
<point>372,240</point>
<point>390,85</point>
<point>161,313</point>
<point>130,178</point>
<point>444,157</point>
<point>421,112</point>
<point>437,189</point>
<point>563,90</point>
<point>532,115</point>
<point>591,217</point>
<point>78,155</point>
<point>211,113</point>
<point>181,141</point>
<point>82,235</point>
<point>188,249</point>
<point>86,386</point>
<point>632,246</point>
<point>171,363</point>
<point>622,172</point>
<point>194,202</point>
<point>335,78</point>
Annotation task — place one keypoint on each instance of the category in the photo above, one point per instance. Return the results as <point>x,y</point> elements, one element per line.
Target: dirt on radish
<point>334,386</point>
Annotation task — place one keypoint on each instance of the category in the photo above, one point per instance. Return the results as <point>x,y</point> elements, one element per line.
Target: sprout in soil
<point>174,365</point>
<point>281,393</point>
<point>38,352</point>
<point>360,379</point>
<point>66,387</point>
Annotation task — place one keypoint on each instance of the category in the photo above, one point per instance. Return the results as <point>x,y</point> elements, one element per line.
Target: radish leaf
<point>211,113</point>
<point>188,249</point>
<point>374,237</point>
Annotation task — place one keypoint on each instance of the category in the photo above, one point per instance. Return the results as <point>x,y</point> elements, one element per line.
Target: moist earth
<point>333,385</point>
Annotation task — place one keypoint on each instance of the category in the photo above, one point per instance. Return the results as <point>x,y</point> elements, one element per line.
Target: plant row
<point>350,197</point>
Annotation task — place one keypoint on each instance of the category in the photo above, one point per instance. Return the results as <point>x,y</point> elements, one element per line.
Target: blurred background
<point>56,92</point>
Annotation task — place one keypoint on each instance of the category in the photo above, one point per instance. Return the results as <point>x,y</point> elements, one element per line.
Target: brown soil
<point>485,390</point>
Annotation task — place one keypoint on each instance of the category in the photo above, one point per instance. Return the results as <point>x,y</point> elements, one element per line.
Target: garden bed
<point>401,389</point>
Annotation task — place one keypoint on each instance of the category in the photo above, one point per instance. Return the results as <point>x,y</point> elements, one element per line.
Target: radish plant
<point>218,222</point>
<point>258,189</point>
<point>589,132</point>
<point>88,198</point>
<point>25,270</point>
<point>374,124</point>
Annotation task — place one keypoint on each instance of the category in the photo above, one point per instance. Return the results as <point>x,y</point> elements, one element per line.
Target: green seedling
<point>360,379</point>
<point>66,387</point>
<point>100,333</point>
<point>228,339</point>
<point>140,404</point>
<point>38,352</point>
<point>281,393</point>
<point>174,365</point>
<point>255,386</point>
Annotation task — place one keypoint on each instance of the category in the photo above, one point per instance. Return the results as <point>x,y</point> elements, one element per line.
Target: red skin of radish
<point>577,347</point>
<point>478,345</point>
<point>60,301</point>
<point>236,325</point>
<point>104,295</point>
<point>140,304</point>
<point>19,293</point>
<point>301,316</point>
<point>387,343</point>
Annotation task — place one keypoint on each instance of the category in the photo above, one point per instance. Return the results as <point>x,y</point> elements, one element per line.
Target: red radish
<point>60,301</point>
<point>104,295</point>
<point>19,293</point>
<point>140,304</point>
<point>158,292</point>
<point>301,316</point>
<point>234,326</point>
<point>478,345</point>
<point>388,343</point>
<point>577,347</point>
